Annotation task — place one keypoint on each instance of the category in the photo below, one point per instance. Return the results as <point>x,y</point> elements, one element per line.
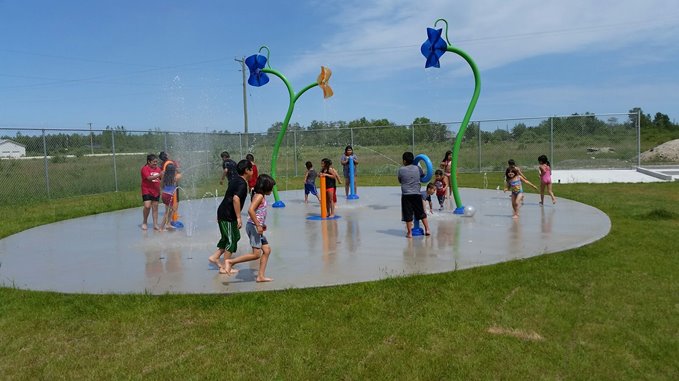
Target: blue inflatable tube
<point>427,163</point>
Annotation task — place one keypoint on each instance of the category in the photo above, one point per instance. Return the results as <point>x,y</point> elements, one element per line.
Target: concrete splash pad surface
<point>109,253</point>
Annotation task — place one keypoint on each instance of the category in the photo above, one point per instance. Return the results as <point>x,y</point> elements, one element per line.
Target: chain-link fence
<point>63,163</point>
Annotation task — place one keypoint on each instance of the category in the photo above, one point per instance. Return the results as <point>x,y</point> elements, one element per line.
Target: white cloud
<point>387,34</point>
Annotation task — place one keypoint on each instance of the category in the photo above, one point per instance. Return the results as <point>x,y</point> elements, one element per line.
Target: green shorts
<point>230,235</point>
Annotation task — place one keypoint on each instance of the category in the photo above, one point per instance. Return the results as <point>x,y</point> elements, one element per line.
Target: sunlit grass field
<point>609,310</point>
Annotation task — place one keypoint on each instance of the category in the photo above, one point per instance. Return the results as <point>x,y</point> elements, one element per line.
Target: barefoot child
<point>514,180</point>
<point>168,185</point>
<point>310,182</point>
<point>150,190</point>
<point>228,214</point>
<point>441,184</point>
<point>412,208</point>
<point>545,170</point>
<point>255,228</point>
<point>331,181</point>
<point>426,197</point>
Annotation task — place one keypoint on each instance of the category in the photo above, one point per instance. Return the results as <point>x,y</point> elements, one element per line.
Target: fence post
<point>47,173</point>
<point>240,145</point>
<point>412,129</point>
<point>351,132</point>
<point>113,150</point>
<point>479,146</point>
<point>294,152</point>
<point>207,155</point>
<point>638,138</point>
<point>551,140</point>
<point>165,141</point>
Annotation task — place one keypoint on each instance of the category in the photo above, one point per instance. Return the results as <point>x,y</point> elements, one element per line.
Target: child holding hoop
<point>344,160</point>
<point>412,207</point>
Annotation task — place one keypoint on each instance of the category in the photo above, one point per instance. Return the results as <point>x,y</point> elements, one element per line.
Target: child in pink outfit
<point>545,170</point>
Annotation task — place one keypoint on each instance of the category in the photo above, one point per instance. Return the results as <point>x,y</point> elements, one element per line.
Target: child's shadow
<point>394,232</point>
<point>246,275</point>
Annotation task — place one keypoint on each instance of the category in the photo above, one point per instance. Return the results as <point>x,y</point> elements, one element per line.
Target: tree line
<point>379,131</point>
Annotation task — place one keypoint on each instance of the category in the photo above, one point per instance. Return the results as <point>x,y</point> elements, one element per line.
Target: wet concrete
<point>109,253</point>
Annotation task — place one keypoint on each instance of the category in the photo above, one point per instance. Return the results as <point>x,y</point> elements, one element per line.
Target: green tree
<point>662,121</point>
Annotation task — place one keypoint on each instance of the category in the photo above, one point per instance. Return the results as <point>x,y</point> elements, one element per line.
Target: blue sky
<point>170,64</point>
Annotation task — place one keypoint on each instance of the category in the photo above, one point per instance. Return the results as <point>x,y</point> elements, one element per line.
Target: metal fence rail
<point>63,163</point>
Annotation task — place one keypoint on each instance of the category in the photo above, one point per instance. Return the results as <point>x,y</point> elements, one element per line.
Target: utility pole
<point>91,140</point>
<point>245,102</point>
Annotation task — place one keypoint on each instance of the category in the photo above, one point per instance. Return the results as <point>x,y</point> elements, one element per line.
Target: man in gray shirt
<point>411,200</point>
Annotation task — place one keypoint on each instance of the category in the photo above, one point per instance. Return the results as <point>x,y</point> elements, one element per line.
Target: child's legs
<point>426,225</point>
<point>409,228</point>
<point>331,205</point>
<point>146,211</point>
<point>266,250</point>
<point>256,254</point>
<point>228,242</point>
<point>168,214</point>
<point>519,202</point>
<point>549,189</point>
<point>256,242</point>
<point>542,192</point>
<point>515,203</point>
<point>154,212</point>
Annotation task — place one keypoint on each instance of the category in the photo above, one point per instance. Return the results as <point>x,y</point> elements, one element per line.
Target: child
<point>344,160</point>
<point>411,200</point>
<point>228,214</point>
<point>168,185</point>
<point>441,185</point>
<point>514,178</point>
<point>253,179</point>
<point>229,170</point>
<point>512,164</point>
<point>545,170</point>
<point>310,182</point>
<point>331,179</point>
<point>446,165</point>
<point>426,197</point>
<point>150,191</point>
<point>255,228</point>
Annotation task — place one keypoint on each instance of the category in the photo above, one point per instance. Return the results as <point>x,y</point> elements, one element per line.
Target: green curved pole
<point>463,126</point>
<point>284,127</point>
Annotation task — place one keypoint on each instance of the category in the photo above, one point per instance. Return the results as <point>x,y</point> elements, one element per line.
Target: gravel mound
<point>668,151</point>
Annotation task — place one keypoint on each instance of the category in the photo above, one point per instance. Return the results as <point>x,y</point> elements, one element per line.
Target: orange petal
<point>327,91</point>
<point>324,77</point>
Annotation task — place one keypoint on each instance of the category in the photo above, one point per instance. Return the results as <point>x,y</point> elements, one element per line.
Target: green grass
<point>608,310</point>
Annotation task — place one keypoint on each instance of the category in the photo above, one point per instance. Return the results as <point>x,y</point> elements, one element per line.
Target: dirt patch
<point>666,152</point>
<point>518,333</point>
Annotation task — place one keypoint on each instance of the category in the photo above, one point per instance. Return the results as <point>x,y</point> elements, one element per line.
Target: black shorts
<point>148,197</point>
<point>412,208</point>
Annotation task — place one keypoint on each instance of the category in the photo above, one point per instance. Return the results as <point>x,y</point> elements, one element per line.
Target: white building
<point>10,148</point>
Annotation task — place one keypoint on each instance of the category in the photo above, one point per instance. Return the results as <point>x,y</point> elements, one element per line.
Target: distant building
<point>10,148</point>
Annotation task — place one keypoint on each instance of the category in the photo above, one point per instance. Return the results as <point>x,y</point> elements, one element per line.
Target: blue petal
<point>255,61</point>
<point>434,47</point>
<point>258,78</point>
<point>433,35</point>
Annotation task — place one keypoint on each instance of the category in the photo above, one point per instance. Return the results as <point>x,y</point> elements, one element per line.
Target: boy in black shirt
<point>228,214</point>
<point>229,171</point>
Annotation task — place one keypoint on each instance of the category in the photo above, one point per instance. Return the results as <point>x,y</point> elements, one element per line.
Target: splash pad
<point>109,253</point>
